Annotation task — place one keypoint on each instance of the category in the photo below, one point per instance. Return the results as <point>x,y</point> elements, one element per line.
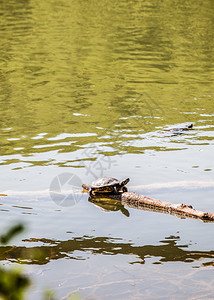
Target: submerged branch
<point>139,201</point>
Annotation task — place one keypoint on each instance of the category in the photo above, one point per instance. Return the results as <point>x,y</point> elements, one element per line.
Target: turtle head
<point>125,181</point>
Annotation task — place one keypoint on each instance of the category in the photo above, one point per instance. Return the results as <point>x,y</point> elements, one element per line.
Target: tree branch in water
<point>139,201</point>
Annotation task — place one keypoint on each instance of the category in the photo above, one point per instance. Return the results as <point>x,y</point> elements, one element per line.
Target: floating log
<point>139,201</point>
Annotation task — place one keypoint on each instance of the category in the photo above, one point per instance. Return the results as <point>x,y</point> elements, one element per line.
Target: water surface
<point>88,89</point>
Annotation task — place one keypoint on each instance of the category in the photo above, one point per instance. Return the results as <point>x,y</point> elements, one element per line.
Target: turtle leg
<point>90,192</point>
<point>116,190</point>
<point>124,189</point>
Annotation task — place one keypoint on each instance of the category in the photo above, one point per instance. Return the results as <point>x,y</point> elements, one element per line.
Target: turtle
<point>108,185</point>
<point>179,130</point>
<point>187,127</point>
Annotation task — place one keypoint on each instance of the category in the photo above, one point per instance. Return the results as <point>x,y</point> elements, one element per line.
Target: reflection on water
<point>105,83</point>
<point>93,147</point>
<point>168,251</point>
<point>108,204</point>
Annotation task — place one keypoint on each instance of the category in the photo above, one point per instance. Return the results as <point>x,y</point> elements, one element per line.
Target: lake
<point>90,89</point>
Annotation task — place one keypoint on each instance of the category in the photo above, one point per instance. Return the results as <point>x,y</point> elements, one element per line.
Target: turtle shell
<point>104,182</point>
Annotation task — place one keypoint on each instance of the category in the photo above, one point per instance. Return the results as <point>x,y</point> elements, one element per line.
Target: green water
<point>87,90</point>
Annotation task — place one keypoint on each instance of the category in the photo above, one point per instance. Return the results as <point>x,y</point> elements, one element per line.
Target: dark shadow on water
<point>109,205</point>
<point>167,251</point>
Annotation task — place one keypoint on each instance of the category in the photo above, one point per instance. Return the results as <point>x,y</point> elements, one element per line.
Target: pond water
<point>87,90</point>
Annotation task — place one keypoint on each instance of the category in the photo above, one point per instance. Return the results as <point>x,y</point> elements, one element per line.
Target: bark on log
<point>139,201</point>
